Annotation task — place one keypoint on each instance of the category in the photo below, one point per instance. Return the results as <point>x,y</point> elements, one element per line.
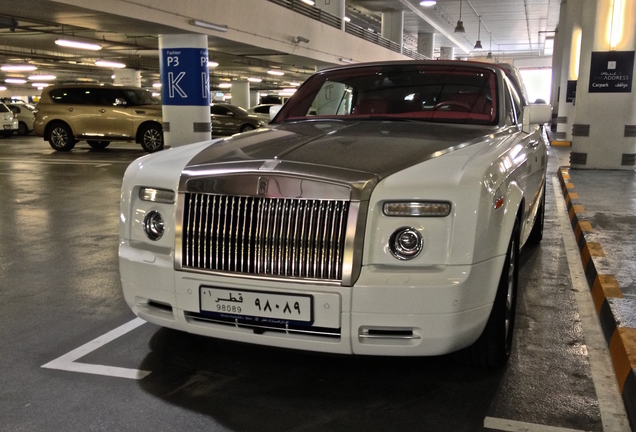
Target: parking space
<point>62,308</point>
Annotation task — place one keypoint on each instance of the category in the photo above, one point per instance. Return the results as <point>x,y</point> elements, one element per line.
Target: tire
<point>23,129</point>
<point>247,128</point>
<point>98,145</point>
<point>61,137</point>
<point>536,235</point>
<point>151,138</point>
<point>494,346</point>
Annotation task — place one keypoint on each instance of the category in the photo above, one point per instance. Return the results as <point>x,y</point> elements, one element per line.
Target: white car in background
<point>265,111</point>
<point>382,212</point>
<point>8,121</point>
<point>25,116</point>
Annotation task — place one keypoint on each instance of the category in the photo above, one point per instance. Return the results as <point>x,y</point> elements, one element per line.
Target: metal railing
<point>353,29</point>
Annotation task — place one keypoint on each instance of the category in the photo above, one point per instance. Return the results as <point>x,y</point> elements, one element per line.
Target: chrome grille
<point>286,237</point>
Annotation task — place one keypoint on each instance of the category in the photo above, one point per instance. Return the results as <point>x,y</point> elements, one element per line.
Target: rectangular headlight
<point>156,195</point>
<point>417,208</point>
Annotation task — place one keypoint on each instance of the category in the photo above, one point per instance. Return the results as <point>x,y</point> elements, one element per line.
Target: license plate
<point>257,306</point>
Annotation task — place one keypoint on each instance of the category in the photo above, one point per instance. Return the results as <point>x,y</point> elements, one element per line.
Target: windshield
<point>450,94</point>
<point>141,97</point>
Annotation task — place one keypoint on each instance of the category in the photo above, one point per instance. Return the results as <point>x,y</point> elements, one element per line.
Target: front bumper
<point>431,311</point>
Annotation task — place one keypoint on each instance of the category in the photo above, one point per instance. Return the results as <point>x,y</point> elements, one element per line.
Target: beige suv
<point>99,114</point>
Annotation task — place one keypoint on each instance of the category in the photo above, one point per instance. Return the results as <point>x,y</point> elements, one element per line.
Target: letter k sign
<point>173,85</point>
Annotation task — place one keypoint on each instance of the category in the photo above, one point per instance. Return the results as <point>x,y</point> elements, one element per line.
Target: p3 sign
<point>184,77</point>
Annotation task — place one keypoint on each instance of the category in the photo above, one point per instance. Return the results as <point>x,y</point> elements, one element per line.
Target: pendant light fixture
<point>478,43</point>
<point>459,28</point>
<point>489,56</point>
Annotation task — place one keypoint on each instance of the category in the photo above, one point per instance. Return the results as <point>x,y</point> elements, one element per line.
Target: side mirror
<point>273,110</point>
<point>536,114</point>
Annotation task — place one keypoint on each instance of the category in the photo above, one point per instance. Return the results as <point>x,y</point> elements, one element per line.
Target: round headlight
<point>406,243</point>
<point>153,225</point>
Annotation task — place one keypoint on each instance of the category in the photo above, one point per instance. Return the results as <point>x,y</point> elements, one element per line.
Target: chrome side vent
<point>298,238</point>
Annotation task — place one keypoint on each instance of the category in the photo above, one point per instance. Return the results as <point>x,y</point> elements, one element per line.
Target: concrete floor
<point>60,290</point>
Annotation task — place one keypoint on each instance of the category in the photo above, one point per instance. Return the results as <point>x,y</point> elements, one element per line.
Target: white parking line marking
<point>68,361</point>
<point>63,161</point>
<point>610,402</point>
<point>517,426</point>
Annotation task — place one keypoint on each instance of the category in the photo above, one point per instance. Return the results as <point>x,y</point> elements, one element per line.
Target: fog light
<point>406,243</point>
<point>153,225</point>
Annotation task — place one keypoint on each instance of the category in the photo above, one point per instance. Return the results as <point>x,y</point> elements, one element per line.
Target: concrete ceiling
<point>518,29</point>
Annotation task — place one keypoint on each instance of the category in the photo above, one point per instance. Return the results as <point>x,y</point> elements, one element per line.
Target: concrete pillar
<point>604,129</point>
<point>241,94</point>
<point>185,90</point>
<point>129,77</point>
<point>571,32</point>
<point>557,64</point>
<point>253,98</point>
<point>446,53</point>
<point>393,27</point>
<point>426,44</point>
<point>333,7</point>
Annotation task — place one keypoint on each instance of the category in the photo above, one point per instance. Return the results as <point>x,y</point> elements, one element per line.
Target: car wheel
<point>493,347</point>
<point>247,127</point>
<point>98,145</point>
<point>61,137</point>
<point>151,137</point>
<point>23,129</point>
<point>536,235</point>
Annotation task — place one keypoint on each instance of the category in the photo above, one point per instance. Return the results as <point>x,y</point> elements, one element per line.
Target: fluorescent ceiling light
<point>40,85</point>
<point>309,2</point>
<point>18,68</point>
<point>225,85</point>
<point>276,72</point>
<point>109,64</point>
<point>207,25</point>
<point>80,45</point>
<point>156,85</point>
<point>255,80</point>
<point>294,83</point>
<point>2,88</point>
<point>428,3</point>
<point>347,19</point>
<point>42,77</point>
<point>346,60</point>
<point>212,64</point>
<point>15,81</point>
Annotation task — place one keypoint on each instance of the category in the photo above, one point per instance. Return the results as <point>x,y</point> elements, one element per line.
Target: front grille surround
<point>306,240</point>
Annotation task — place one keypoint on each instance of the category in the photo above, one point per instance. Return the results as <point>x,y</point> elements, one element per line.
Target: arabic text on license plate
<point>256,304</point>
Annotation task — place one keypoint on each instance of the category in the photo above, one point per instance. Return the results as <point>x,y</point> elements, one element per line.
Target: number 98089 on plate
<point>257,304</point>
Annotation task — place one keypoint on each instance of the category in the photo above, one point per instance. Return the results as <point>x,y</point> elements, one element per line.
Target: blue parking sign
<point>184,77</point>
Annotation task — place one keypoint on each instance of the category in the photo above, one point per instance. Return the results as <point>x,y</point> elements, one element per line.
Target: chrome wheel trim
<point>59,137</point>
<point>152,139</point>
<point>510,294</point>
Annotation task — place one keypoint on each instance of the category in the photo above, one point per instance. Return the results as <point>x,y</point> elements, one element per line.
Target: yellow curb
<point>595,249</point>
<point>561,143</point>
<point>586,226</point>
<point>623,353</point>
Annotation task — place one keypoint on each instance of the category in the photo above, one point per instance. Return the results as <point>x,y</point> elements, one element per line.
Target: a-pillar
<point>426,44</point>
<point>604,129</point>
<point>185,90</point>
<point>130,77</point>
<point>393,27</point>
<point>570,31</point>
<point>241,93</point>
